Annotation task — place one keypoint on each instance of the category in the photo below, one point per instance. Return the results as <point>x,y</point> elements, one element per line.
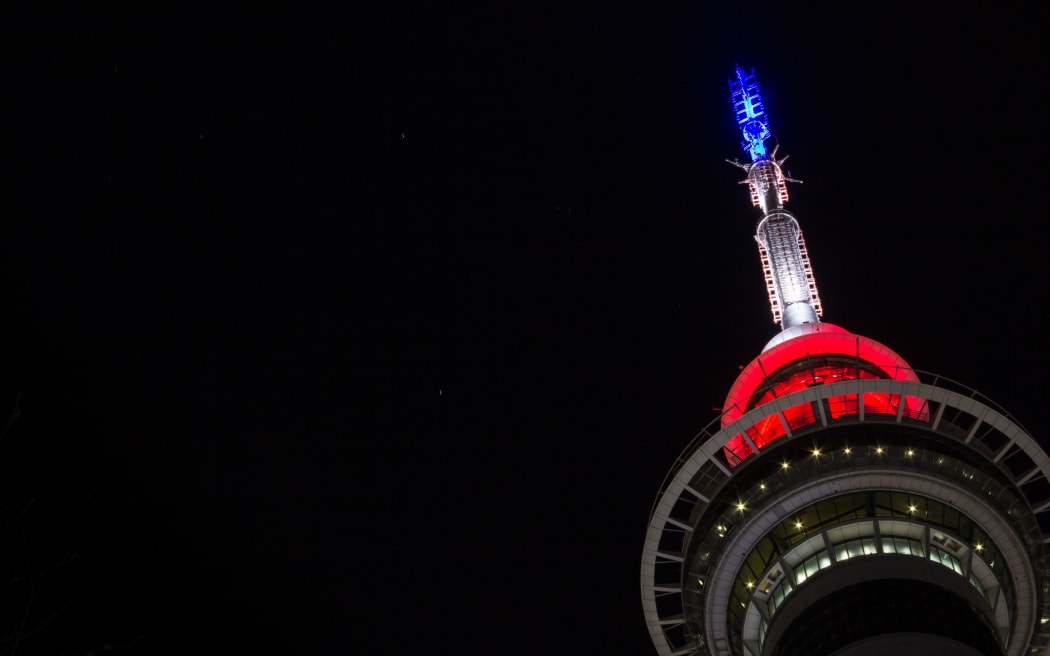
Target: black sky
<point>375,331</point>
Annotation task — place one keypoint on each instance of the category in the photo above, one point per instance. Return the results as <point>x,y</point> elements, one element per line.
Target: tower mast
<point>792,290</point>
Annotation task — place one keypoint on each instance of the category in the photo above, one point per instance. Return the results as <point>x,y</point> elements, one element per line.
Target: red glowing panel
<point>736,450</point>
<point>752,389</point>
<point>842,406</point>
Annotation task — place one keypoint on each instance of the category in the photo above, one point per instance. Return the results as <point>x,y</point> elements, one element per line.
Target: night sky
<point>375,331</point>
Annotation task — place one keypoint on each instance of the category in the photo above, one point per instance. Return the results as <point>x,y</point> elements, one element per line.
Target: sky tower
<point>844,503</point>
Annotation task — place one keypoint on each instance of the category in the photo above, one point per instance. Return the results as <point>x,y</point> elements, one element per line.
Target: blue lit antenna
<point>785,261</point>
<point>750,113</point>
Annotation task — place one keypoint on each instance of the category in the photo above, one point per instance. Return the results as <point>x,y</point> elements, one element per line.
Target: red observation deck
<point>803,356</point>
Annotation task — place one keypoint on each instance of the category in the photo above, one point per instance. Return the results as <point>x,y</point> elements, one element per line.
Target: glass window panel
<point>882,504</point>
<point>898,501</point>
<point>935,512</point>
<point>740,592</point>
<point>903,502</point>
<point>976,583</point>
<point>849,505</point>
<point>767,549</point>
<point>951,520</point>
<point>946,559</point>
<point>966,527</point>
<point>746,573</point>
<point>810,566</point>
<point>757,564</point>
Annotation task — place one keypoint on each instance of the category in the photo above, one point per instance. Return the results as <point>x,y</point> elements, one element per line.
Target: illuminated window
<point>846,518</point>
<point>779,594</point>
<point>946,559</point>
<point>812,565</point>
<point>855,548</point>
<point>902,546</point>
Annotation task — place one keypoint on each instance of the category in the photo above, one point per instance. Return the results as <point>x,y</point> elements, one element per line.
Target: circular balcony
<point>928,440</point>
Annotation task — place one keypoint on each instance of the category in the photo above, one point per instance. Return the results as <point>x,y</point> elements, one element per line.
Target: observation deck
<point>866,470</point>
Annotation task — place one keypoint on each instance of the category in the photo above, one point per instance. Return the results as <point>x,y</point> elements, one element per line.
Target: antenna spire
<point>789,278</point>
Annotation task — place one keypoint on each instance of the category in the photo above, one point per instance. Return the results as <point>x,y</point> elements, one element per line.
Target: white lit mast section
<point>789,278</point>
